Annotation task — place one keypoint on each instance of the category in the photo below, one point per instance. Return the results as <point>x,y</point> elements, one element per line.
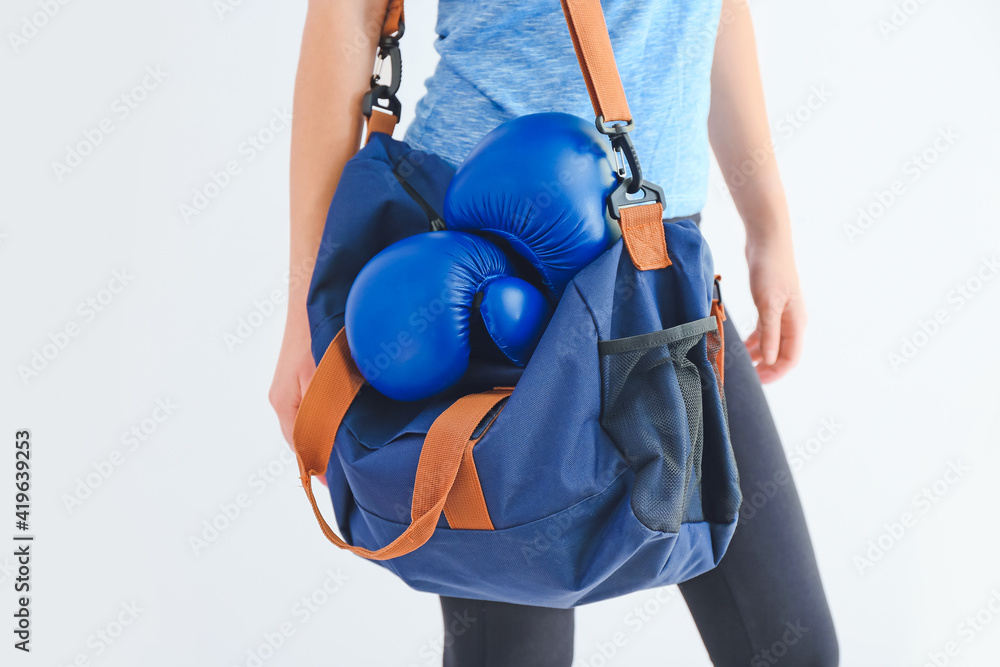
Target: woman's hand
<point>292,375</point>
<point>776,344</point>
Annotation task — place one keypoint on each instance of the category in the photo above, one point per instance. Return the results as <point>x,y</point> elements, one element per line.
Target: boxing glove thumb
<point>411,310</point>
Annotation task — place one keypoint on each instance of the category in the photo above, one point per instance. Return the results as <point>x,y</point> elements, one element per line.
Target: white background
<point>162,337</point>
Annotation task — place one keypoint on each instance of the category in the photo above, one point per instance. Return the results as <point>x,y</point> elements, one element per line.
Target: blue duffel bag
<point>602,467</point>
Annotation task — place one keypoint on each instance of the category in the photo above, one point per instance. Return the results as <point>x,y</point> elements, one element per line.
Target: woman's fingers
<point>771,310</point>
<point>285,400</point>
<point>286,393</point>
<point>753,346</point>
<point>784,332</point>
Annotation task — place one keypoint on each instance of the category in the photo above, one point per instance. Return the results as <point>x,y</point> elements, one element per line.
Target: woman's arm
<point>335,64</point>
<point>738,131</point>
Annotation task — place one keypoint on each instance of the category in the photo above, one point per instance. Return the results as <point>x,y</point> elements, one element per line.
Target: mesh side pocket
<point>721,496</point>
<point>714,345</point>
<point>653,410</point>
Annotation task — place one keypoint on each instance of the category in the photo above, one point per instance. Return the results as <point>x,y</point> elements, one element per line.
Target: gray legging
<point>763,605</point>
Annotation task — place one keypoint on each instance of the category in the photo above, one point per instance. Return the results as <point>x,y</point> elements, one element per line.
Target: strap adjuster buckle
<point>381,97</point>
<point>648,193</point>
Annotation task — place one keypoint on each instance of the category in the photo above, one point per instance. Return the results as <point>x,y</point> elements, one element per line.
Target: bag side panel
<point>370,210</point>
<point>547,451</point>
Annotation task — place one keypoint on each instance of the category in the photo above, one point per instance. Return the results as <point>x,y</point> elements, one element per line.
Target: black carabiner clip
<point>389,48</point>
<point>631,183</point>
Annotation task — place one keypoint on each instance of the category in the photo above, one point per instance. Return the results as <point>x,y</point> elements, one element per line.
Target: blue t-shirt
<point>502,59</point>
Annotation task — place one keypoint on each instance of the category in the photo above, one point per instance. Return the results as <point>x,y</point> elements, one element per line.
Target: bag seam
<point>600,377</point>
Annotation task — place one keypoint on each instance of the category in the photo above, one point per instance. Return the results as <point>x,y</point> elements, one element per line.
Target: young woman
<point>690,71</point>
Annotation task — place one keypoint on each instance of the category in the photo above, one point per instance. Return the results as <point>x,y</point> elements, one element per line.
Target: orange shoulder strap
<point>642,225</point>
<point>393,17</point>
<point>380,121</point>
<point>331,391</point>
<point>593,49</point>
<point>597,60</point>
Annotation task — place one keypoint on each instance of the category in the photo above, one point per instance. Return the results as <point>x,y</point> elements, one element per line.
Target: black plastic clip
<point>388,48</point>
<point>380,94</point>
<point>632,189</point>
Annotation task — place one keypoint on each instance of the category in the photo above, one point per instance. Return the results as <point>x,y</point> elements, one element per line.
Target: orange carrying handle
<point>447,445</point>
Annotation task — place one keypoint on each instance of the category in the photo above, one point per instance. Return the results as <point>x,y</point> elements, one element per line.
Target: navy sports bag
<point>601,468</point>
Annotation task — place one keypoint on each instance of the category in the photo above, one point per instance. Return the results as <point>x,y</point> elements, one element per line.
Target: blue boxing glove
<point>540,182</point>
<point>411,310</point>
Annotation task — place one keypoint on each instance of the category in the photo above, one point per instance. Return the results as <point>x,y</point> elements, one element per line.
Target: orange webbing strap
<point>597,59</point>
<point>444,453</point>
<point>380,122</point>
<point>393,17</point>
<point>642,229</point>
<point>466,505</point>
<point>642,225</point>
<point>333,387</point>
<point>330,392</point>
<point>719,311</point>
